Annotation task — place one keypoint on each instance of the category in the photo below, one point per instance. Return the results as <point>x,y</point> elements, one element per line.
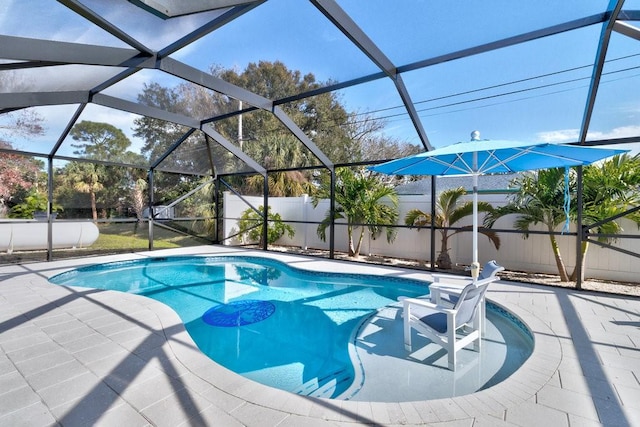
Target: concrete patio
<point>78,357</point>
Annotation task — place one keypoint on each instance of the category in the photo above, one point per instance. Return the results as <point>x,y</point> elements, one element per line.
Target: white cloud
<point>562,135</point>
<point>621,132</point>
<point>571,135</point>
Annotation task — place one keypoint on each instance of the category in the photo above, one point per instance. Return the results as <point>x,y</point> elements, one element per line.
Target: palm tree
<point>279,152</point>
<point>609,190</point>
<point>448,212</point>
<point>86,178</point>
<point>539,201</point>
<point>205,207</point>
<point>360,199</point>
<point>138,201</point>
<point>281,184</point>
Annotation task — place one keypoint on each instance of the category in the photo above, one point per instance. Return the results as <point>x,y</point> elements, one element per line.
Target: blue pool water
<point>272,323</point>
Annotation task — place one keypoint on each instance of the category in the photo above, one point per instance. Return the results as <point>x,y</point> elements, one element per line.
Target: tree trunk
<point>352,250</point>
<point>359,246</point>
<point>444,260</point>
<point>583,254</point>
<point>94,207</point>
<point>559,262</point>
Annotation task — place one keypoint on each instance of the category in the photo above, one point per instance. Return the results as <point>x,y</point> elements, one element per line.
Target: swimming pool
<point>272,323</point>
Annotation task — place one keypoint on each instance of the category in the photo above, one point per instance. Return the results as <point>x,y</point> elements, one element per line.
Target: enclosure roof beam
<point>196,76</point>
<point>605,36</point>
<point>171,149</point>
<point>99,21</point>
<point>144,110</point>
<point>302,137</point>
<point>349,28</point>
<point>413,113</point>
<point>234,149</point>
<point>58,52</point>
<point>186,72</point>
<point>67,129</point>
<point>20,65</point>
<point>353,32</point>
<point>629,15</point>
<point>34,99</point>
<point>521,38</point>
<point>166,9</point>
<point>115,79</point>
<point>506,42</point>
<point>627,30</point>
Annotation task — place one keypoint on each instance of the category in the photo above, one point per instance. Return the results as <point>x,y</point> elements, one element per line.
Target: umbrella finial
<point>475,135</point>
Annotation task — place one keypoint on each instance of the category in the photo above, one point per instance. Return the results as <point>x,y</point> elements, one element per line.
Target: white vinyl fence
<point>530,255</point>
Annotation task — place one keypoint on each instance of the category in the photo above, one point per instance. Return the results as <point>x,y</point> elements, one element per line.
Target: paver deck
<point>79,357</point>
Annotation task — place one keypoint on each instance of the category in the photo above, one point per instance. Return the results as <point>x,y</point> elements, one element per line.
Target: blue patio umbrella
<point>479,157</point>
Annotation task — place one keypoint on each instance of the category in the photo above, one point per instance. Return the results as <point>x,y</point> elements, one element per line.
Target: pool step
<point>314,389</point>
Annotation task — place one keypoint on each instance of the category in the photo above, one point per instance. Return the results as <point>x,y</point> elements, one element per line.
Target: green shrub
<point>250,226</point>
<point>34,202</point>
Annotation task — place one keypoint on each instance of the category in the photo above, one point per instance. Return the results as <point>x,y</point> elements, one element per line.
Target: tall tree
<point>100,141</point>
<point>323,118</point>
<point>369,142</point>
<point>449,211</point>
<point>103,141</point>
<point>87,178</point>
<point>159,135</point>
<point>366,204</point>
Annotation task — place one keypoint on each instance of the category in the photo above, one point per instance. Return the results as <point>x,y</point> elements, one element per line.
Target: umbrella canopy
<point>493,157</point>
<point>479,157</point>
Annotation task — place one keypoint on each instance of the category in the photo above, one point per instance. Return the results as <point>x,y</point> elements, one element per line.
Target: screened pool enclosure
<point>149,118</point>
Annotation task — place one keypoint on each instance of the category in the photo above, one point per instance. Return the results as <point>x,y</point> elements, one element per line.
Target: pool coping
<point>217,392</point>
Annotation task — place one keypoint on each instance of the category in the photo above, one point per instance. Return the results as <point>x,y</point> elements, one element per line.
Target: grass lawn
<point>114,238</point>
<point>125,236</point>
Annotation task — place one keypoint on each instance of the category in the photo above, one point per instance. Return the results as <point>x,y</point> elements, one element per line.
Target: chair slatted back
<point>469,301</point>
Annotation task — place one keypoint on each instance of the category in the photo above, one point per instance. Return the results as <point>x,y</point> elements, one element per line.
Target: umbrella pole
<point>475,207</point>
<point>475,218</point>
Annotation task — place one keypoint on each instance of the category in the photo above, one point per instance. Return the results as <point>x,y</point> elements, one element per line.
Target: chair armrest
<point>426,297</point>
<point>437,277</point>
<point>446,288</point>
<point>436,290</point>
<point>459,286</point>
<point>427,304</point>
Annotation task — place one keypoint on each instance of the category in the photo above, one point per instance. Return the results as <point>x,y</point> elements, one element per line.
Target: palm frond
<point>417,218</point>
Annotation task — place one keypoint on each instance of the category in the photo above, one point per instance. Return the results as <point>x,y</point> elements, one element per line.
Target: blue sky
<point>533,91</point>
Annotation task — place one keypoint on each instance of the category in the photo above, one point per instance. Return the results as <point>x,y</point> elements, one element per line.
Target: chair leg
<point>477,343</point>
<point>483,315</point>
<point>451,348</point>
<point>478,324</point>
<point>407,333</point>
